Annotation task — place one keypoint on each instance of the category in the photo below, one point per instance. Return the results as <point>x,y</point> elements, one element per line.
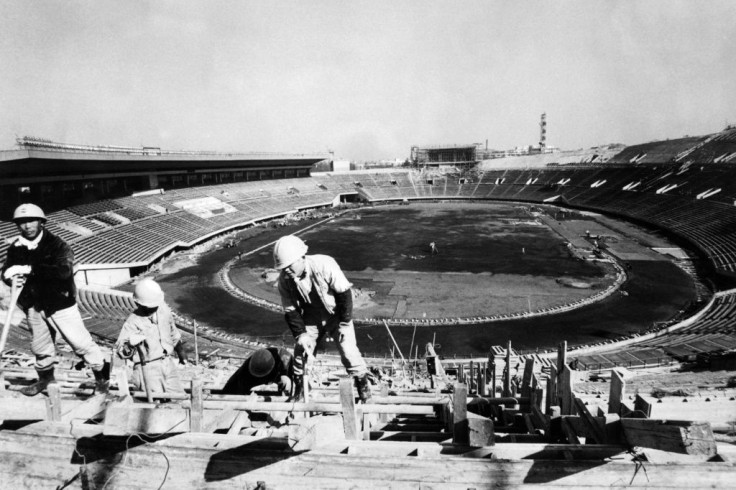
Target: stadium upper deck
<point>57,175</point>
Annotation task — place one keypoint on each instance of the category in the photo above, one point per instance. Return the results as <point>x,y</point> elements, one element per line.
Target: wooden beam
<point>618,386</point>
<point>197,406</point>
<point>551,397</point>
<point>241,419</point>
<point>480,430</point>
<point>91,408</point>
<point>561,356</point>
<point>564,390</point>
<point>53,402</point>
<point>131,419</point>
<point>460,415</point>
<point>642,406</point>
<point>507,375</point>
<point>590,423</point>
<point>526,383</point>
<point>350,417</point>
<point>225,418</point>
<point>683,437</point>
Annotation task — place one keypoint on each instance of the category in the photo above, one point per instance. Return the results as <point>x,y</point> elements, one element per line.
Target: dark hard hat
<point>261,363</point>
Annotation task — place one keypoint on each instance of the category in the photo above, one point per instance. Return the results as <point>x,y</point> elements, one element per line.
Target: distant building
<point>445,155</point>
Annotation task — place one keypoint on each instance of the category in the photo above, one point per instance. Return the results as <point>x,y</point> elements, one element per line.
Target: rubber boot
<point>298,395</point>
<point>364,388</point>
<point>44,378</point>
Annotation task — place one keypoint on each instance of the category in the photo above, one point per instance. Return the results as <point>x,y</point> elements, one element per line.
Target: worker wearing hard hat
<point>263,367</point>
<point>317,299</point>
<point>149,338</point>
<point>42,264</point>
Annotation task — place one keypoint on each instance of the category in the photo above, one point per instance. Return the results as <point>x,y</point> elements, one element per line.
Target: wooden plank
<point>224,418</point>
<point>480,430</point>
<point>684,437</point>
<point>53,402</point>
<point>591,425</point>
<point>551,397</point>
<point>89,409</point>
<point>460,415</point>
<point>307,434</point>
<point>350,418</point>
<point>202,460</point>
<point>197,406</point>
<point>618,386</point>
<point>241,420</point>
<point>127,419</point>
<point>565,391</point>
<point>561,356</point>
<point>384,417</point>
<point>642,406</point>
<point>482,380</point>
<point>526,382</point>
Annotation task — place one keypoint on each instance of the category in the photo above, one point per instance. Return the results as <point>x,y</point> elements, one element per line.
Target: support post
<point>618,385</point>
<point>350,418</point>
<point>526,382</point>
<point>460,415</point>
<point>507,376</point>
<point>197,410</point>
<point>565,391</point>
<point>53,402</point>
<point>551,397</point>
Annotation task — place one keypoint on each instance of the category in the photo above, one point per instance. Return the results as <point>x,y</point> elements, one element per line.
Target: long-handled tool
<point>144,377</point>
<point>14,295</point>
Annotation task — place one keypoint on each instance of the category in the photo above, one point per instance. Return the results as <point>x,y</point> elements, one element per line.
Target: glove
<point>17,270</point>
<point>135,339</point>
<point>307,343</point>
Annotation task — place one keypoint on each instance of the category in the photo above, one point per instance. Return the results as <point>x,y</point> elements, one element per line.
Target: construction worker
<point>149,338</point>
<point>264,366</point>
<point>42,264</point>
<point>318,300</point>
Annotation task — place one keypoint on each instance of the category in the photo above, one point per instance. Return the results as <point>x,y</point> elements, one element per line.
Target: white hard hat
<point>288,249</point>
<point>148,293</point>
<point>28,211</point>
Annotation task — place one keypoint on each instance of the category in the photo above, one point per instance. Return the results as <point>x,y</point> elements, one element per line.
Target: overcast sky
<point>367,79</point>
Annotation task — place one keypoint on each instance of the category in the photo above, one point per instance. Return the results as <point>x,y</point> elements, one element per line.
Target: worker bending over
<point>263,367</point>
<point>149,338</point>
<point>42,264</point>
<point>318,300</point>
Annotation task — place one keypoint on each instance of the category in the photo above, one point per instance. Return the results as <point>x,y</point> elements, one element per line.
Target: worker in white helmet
<point>42,264</point>
<point>317,299</point>
<point>149,338</point>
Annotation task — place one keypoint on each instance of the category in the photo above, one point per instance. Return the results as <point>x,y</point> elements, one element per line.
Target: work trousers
<point>67,322</point>
<point>162,376</point>
<point>344,336</point>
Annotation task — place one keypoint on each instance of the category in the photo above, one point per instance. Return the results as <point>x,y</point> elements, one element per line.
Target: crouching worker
<point>263,367</point>
<point>318,300</point>
<point>42,264</point>
<point>149,338</point>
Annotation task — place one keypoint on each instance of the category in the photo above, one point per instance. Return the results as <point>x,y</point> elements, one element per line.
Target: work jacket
<point>327,280</point>
<point>50,285</point>
<point>159,330</point>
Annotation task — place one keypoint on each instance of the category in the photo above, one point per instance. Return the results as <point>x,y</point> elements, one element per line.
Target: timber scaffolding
<point>490,425</point>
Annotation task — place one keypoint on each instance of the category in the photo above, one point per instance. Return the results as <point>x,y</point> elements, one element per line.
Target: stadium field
<point>493,260</point>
